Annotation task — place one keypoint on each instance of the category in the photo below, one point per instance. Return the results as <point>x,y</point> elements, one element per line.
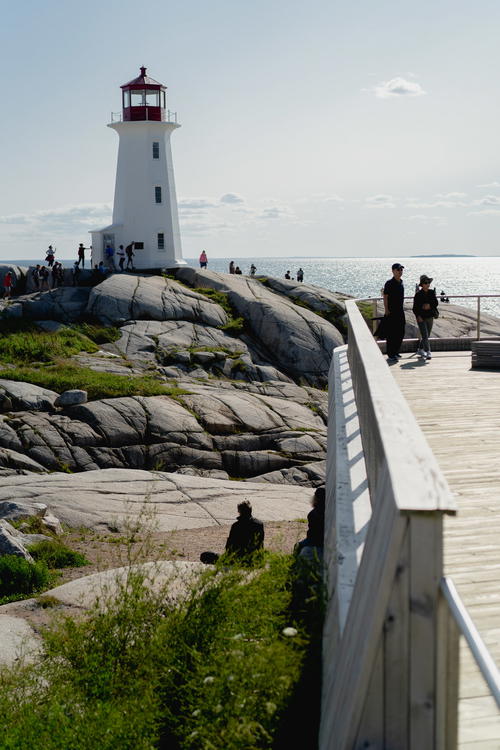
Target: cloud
<point>231,199</point>
<point>275,212</point>
<point>65,218</point>
<point>487,200</point>
<point>380,201</point>
<point>485,212</point>
<point>397,87</point>
<point>448,196</point>
<point>493,184</point>
<point>425,219</point>
<point>435,204</point>
<point>186,204</point>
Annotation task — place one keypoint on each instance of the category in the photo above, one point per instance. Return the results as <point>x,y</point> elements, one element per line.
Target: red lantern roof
<point>144,82</point>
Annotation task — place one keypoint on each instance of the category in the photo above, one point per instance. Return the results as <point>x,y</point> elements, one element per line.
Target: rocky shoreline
<point>246,361</point>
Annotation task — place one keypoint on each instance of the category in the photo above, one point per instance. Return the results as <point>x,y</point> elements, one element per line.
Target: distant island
<point>444,255</point>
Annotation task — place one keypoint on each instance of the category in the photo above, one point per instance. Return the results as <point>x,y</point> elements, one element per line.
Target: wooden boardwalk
<point>458,409</point>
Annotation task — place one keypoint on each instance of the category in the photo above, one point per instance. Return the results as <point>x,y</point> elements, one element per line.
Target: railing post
<point>374,315</point>
<point>447,678</point>
<point>478,317</point>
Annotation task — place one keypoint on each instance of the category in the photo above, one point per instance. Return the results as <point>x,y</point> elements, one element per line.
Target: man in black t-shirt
<point>394,293</point>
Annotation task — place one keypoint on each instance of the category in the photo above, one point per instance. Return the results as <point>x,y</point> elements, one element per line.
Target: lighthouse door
<point>108,239</point>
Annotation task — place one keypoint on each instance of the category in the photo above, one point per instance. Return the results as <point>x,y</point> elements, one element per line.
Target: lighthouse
<point>145,203</point>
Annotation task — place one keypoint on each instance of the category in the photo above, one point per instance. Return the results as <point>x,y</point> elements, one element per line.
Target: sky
<point>311,129</point>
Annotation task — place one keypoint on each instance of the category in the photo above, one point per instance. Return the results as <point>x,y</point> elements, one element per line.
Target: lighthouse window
<point>161,241</point>
<point>152,98</point>
<point>137,98</point>
<point>156,150</point>
<point>163,99</point>
<point>158,194</point>
<point>126,98</point>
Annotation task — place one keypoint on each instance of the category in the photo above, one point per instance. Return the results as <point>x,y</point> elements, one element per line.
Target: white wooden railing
<point>477,297</point>
<point>390,647</point>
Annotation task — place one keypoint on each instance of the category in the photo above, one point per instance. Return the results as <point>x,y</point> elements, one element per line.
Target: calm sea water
<point>364,277</point>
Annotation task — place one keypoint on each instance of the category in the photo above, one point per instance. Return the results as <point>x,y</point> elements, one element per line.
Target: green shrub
<point>57,555</point>
<point>18,576</point>
<point>214,670</point>
<point>234,326</point>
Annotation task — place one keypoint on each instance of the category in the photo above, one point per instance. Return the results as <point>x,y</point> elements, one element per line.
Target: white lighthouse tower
<point>145,205</point>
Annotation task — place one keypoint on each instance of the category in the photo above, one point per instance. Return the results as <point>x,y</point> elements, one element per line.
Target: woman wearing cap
<point>425,305</point>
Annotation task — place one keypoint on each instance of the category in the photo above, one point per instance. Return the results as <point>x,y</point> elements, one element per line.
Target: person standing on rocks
<point>129,250</point>
<point>300,275</point>
<point>110,257</point>
<point>44,278</point>
<point>425,304</point>
<point>231,267</point>
<point>394,293</point>
<point>203,259</point>
<point>35,275</point>
<point>253,268</point>
<point>121,257</point>
<point>7,284</point>
<point>49,258</point>
<point>81,255</point>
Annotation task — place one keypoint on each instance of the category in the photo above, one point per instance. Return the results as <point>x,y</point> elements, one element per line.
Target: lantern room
<point>143,99</point>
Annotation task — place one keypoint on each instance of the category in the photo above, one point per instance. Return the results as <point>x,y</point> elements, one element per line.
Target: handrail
<point>477,297</point>
<point>476,644</point>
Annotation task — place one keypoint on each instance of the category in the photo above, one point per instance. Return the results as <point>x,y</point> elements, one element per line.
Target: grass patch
<point>99,334</point>
<point>23,346</point>
<point>66,376</point>
<point>57,555</point>
<point>234,326</point>
<point>217,670</point>
<point>220,298</point>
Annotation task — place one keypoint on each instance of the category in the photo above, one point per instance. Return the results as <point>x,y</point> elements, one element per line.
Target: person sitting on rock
<point>287,275</point>
<point>246,536</point>
<point>238,271</point>
<point>312,545</point>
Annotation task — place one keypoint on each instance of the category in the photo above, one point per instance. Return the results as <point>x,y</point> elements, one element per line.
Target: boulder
<point>314,297</point>
<point>71,398</point>
<point>65,304</point>
<point>18,396</point>
<point>297,341</point>
<point>11,542</point>
<point>131,297</point>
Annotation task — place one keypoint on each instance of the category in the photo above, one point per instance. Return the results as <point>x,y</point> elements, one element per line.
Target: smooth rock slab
<point>105,499</point>
<point>27,396</point>
<point>125,297</point>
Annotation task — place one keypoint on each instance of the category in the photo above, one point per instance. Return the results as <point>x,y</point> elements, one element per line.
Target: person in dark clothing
<point>247,533</point>
<point>245,537</point>
<point>394,293</point>
<point>425,304</point>
<point>315,526</point>
<point>129,250</point>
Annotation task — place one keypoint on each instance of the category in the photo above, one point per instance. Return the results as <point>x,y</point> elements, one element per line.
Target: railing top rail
<point>390,433</point>
<point>448,296</point>
<point>488,668</point>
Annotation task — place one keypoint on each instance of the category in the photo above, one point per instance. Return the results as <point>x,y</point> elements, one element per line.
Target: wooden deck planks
<point>458,409</point>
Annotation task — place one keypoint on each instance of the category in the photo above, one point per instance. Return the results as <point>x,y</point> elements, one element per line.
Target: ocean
<point>364,277</point>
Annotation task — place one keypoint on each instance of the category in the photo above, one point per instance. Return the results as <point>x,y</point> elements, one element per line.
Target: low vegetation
<point>57,555</point>
<point>217,670</point>
<point>19,578</point>
<point>29,344</point>
<point>67,375</point>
